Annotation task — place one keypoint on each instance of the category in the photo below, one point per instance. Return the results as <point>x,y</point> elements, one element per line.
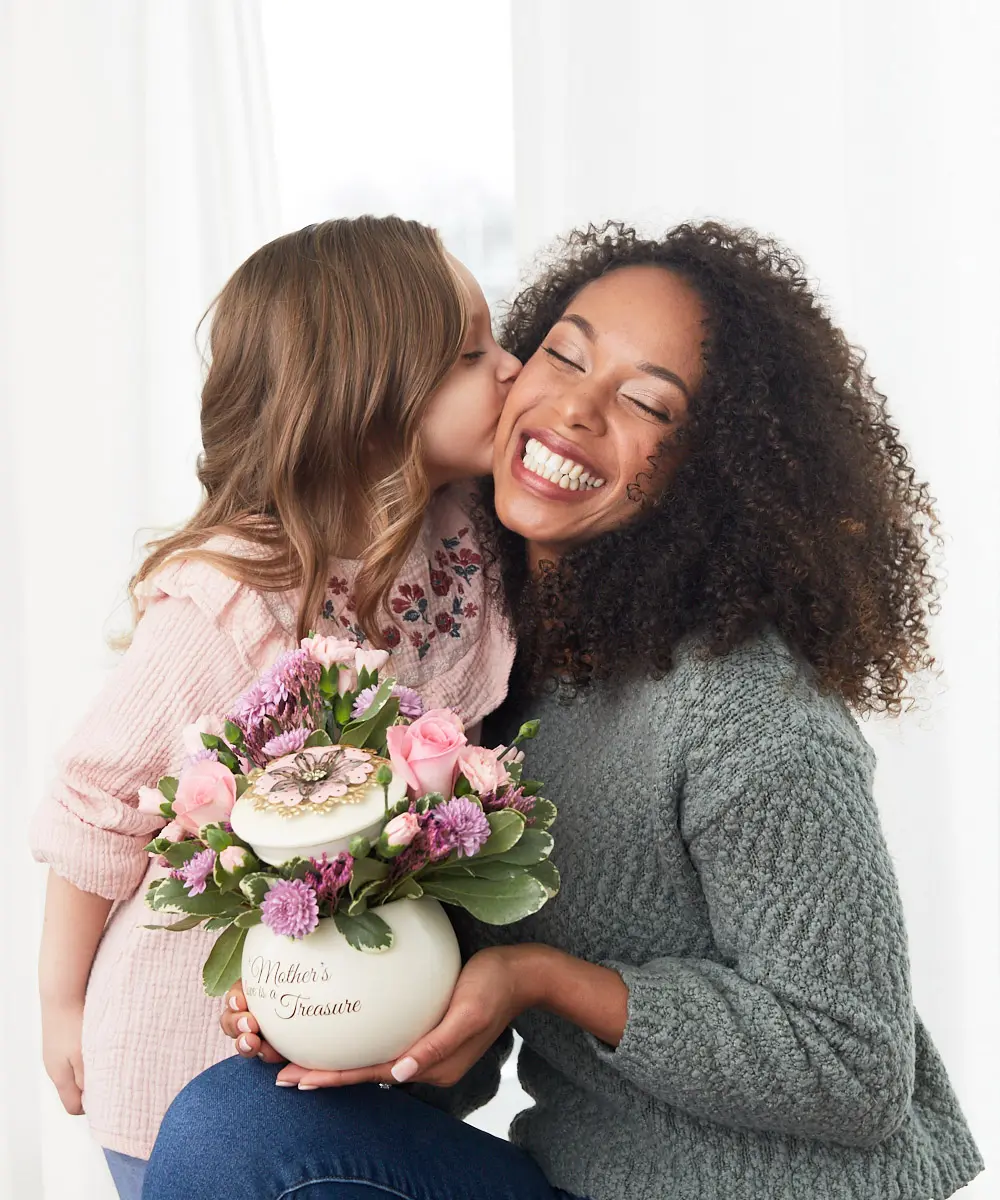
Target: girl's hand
<point>494,988</point>
<point>62,1025</point>
<point>237,1022</point>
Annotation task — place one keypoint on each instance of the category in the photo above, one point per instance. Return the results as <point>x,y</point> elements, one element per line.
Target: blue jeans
<point>232,1133</point>
<point>128,1174</point>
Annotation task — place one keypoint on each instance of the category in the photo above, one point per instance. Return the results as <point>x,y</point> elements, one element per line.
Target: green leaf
<point>531,787</point>
<point>463,787</point>
<point>495,902</point>
<point>543,813</point>
<point>342,712</point>
<point>367,870</point>
<point>319,737</point>
<point>177,853</point>
<point>256,886</point>
<point>180,926</point>
<point>228,759</point>
<point>534,846</point>
<point>328,684</point>
<point>211,742</point>
<point>406,889</point>
<point>471,868</point>
<point>234,735</point>
<point>296,868</point>
<point>248,919</point>
<point>217,923</point>
<point>224,964</point>
<point>168,810</point>
<point>364,679</point>
<point>365,932</point>
<point>355,733</point>
<point>217,838</point>
<point>507,826</point>
<point>359,847</point>
<point>242,783</point>
<point>172,896</point>
<point>547,876</point>
<point>168,787</point>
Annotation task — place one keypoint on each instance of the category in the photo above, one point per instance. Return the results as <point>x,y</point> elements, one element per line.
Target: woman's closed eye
<point>562,358</point>
<point>659,414</point>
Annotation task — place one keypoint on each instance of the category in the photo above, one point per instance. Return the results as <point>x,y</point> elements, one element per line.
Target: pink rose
<point>173,832</point>
<point>401,830</point>
<point>150,800</point>
<point>330,651</point>
<point>192,733</point>
<point>482,769</point>
<point>370,660</point>
<point>206,793</point>
<point>233,859</point>
<point>426,753</point>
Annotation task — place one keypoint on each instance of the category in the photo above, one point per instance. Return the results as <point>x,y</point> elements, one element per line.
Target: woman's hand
<point>494,988</point>
<point>238,1023</point>
<point>62,1025</point>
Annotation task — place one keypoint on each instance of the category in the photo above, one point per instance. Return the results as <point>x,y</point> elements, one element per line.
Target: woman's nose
<point>581,407</point>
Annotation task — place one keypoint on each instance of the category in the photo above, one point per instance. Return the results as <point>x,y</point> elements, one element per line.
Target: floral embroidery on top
<point>318,778</point>
<point>422,617</point>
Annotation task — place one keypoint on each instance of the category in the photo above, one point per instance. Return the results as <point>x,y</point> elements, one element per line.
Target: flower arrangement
<point>327,730</point>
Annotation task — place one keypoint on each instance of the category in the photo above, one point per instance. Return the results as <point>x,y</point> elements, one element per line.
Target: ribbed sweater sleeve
<point>181,664</point>
<point>803,1024</point>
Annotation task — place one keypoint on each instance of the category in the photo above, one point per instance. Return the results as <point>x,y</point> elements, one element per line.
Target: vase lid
<point>318,794</point>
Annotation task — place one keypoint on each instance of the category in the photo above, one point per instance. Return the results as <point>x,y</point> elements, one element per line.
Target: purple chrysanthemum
<point>463,823</point>
<point>286,743</point>
<point>331,875</point>
<point>290,908</point>
<point>205,755</point>
<point>410,704</point>
<point>285,698</point>
<point>196,871</point>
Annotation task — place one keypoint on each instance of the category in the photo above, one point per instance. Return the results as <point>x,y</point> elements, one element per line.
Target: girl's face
<point>461,420</point>
<point>587,426</point>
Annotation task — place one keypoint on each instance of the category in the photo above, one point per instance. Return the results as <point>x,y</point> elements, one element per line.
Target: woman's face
<point>460,424</point>
<point>583,425</point>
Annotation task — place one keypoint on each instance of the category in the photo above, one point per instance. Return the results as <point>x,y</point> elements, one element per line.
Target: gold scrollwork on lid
<point>317,779</point>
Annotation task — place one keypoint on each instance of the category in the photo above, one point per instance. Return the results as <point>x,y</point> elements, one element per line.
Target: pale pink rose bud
<point>370,660</point>
<point>150,800</point>
<point>172,832</point>
<point>206,793</point>
<point>233,859</point>
<point>401,830</point>
<point>192,733</point>
<point>481,768</point>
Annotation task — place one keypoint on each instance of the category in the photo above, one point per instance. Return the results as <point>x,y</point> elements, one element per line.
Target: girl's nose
<point>509,368</point>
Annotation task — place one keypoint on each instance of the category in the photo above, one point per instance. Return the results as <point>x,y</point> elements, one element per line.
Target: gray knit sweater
<point>720,849</point>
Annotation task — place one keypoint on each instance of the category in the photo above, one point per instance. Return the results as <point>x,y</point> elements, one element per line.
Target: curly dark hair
<point>793,506</point>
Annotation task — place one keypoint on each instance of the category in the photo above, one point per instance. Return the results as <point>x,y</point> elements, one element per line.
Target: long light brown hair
<point>325,347</point>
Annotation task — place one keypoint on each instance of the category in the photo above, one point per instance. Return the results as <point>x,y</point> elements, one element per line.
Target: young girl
<point>353,377</point>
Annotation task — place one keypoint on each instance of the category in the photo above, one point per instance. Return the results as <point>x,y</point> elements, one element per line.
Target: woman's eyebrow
<point>664,373</point>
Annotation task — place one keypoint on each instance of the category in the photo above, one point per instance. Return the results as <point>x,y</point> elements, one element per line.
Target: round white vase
<point>323,1004</point>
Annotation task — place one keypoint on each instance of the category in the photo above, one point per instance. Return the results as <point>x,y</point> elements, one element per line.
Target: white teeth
<point>546,463</point>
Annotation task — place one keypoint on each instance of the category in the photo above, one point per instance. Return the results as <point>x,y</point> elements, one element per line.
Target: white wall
<point>863,133</point>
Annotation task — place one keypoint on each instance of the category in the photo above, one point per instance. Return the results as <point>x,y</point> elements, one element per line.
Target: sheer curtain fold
<point>865,136</point>
<point>136,171</point>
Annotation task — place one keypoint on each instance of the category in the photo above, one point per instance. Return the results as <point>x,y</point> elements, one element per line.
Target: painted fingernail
<point>244,1045</point>
<point>307,1087</point>
<point>405,1069</point>
<point>284,1083</point>
<point>234,1004</point>
<point>243,1025</point>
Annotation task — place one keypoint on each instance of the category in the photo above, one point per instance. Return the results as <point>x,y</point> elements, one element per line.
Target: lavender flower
<point>205,755</point>
<point>410,704</point>
<point>331,876</point>
<point>290,908</point>
<point>513,798</point>
<point>285,743</point>
<point>461,822</point>
<point>196,871</point>
<point>285,698</point>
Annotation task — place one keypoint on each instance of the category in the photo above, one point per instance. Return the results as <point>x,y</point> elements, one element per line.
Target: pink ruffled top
<point>203,639</point>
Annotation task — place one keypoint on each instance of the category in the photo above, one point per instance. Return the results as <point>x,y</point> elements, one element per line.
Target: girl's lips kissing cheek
<point>551,472</point>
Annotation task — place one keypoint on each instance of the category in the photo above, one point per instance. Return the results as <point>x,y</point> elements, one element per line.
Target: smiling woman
<point>598,405</point>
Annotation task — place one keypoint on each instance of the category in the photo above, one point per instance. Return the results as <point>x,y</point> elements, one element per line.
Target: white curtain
<point>136,173</point>
<point>865,135</point>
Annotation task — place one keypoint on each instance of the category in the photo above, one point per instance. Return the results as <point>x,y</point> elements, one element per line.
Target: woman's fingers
<point>307,1080</point>
<point>69,1091</point>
